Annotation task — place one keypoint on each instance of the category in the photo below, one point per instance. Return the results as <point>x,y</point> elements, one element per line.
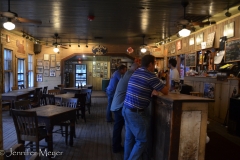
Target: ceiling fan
<point>184,23</point>
<point>12,16</point>
<point>56,44</point>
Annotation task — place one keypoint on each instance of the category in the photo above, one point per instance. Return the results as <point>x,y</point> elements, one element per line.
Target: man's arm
<point>165,88</point>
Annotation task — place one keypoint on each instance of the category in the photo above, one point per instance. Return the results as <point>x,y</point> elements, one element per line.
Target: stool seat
<point>196,94</point>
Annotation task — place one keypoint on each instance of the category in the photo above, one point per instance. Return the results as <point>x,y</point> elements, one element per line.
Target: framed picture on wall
<point>46,73</point>
<point>52,60</point>
<point>58,64</point>
<point>39,62</point>
<point>229,30</point>
<point>39,78</point>
<point>52,72</point>
<point>46,57</point>
<point>46,64</point>
<point>199,38</point>
<point>39,69</point>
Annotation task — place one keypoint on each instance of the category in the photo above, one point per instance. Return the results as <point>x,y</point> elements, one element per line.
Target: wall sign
<point>99,50</point>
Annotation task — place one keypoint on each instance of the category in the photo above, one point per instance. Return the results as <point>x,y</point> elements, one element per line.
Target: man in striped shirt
<point>142,85</point>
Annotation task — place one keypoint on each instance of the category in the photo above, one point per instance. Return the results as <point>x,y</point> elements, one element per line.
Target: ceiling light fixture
<point>9,25</point>
<point>184,32</point>
<point>86,46</point>
<point>69,45</point>
<point>78,45</point>
<point>239,8</point>
<point>228,14</point>
<point>55,49</point>
<point>23,35</point>
<point>143,47</point>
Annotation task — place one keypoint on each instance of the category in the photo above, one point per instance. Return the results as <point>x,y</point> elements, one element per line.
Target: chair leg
<point>62,130</point>
<point>88,108</point>
<point>66,135</point>
<point>83,113</point>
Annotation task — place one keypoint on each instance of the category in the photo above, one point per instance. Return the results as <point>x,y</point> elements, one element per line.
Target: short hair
<point>122,67</point>
<point>147,59</point>
<point>173,62</point>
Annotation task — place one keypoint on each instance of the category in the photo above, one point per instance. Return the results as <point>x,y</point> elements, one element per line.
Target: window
<point>81,75</point>
<point>20,71</point>
<point>8,75</point>
<point>30,70</point>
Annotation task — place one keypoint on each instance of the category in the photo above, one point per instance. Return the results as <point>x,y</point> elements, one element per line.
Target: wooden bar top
<point>184,97</point>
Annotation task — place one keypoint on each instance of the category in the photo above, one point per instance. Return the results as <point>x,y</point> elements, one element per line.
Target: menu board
<point>232,52</point>
<point>190,59</point>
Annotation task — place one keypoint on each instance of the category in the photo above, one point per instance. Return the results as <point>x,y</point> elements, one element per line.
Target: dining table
<point>76,89</point>
<point>16,95</point>
<point>52,115</point>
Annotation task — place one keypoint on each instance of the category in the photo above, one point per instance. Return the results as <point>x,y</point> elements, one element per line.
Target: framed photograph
<point>199,38</point>
<point>118,61</point>
<point>46,73</point>
<point>46,64</point>
<point>52,72</point>
<point>39,62</point>
<point>191,41</point>
<point>46,57</point>
<point>58,65</point>
<point>39,69</point>
<point>229,30</point>
<point>52,60</point>
<point>39,77</point>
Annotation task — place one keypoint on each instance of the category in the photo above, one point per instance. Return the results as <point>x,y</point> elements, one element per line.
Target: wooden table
<point>52,115</point>
<point>67,95</point>
<point>76,89</point>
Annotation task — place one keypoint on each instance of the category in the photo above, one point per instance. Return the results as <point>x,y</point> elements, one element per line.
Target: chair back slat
<point>81,98</point>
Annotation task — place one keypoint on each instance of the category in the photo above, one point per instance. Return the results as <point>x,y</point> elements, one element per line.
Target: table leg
<point>50,137</point>
<point>72,131</point>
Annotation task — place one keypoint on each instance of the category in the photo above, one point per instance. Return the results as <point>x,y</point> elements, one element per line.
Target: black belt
<point>135,109</point>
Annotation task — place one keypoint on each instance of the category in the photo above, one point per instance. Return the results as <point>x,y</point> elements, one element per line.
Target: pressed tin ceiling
<point>114,22</point>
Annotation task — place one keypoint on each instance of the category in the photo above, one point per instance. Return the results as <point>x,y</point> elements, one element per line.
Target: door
<point>81,75</point>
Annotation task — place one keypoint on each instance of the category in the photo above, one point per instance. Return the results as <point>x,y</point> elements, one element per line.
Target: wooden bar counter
<point>179,127</point>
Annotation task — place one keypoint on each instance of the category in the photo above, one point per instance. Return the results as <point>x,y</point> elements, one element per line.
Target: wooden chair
<point>36,102</point>
<point>19,148</point>
<point>27,129</point>
<point>21,86</point>
<point>66,102</point>
<point>88,98</point>
<point>22,105</point>
<point>81,104</point>
<point>14,88</point>
<point>54,91</point>
<point>45,89</point>
<point>48,99</point>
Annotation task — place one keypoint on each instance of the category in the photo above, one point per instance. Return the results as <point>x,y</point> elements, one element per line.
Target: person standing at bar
<point>174,74</point>
<point>112,87</point>
<point>143,84</point>
<point>116,107</point>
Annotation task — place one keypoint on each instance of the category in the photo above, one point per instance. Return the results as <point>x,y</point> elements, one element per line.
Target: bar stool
<point>196,94</point>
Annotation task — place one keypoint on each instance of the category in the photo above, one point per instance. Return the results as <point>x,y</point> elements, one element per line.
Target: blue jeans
<point>136,126</point>
<point>117,130</point>
<point>109,112</point>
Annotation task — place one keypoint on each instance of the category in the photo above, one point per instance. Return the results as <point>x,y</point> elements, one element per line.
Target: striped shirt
<point>140,87</point>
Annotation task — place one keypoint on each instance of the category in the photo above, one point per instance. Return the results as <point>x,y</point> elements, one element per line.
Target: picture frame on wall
<point>228,30</point>
<point>39,62</point>
<point>46,73</point>
<point>46,64</point>
<point>199,38</point>
<point>39,78</point>
<point>39,69</point>
<point>52,72</point>
<point>52,60</point>
<point>46,57</point>
<point>58,65</point>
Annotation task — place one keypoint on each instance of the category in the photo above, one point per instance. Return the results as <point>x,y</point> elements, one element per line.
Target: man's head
<point>134,66</point>
<point>172,63</point>
<point>148,61</point>
<point>122,69</point>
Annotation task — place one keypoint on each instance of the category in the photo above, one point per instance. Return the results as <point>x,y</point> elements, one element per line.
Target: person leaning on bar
<point>142,85</point>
